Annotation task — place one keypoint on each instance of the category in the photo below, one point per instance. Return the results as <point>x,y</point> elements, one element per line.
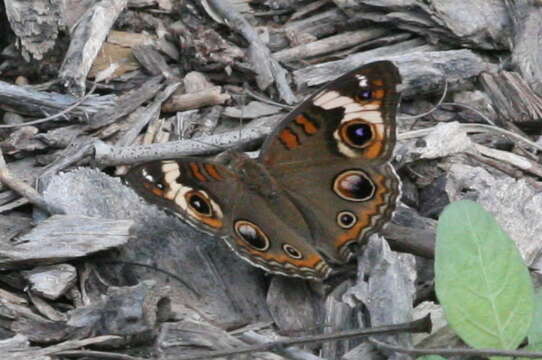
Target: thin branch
<point>97,354</point>
<point>23,189</point>
<point>420,325</point>
<point>444,93</point>
<point>474,128</point>
<point>63,112</point>
<point>474,110</point>
<point>459,352</point>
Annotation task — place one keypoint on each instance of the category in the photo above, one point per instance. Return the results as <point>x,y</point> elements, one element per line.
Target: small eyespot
<point>353,185</point>
<point>356,133</point>
<point>252,235</point>
<point>346,219</point>
<point>365,94</point>
<point>199,203</point>
<point>292,251</point>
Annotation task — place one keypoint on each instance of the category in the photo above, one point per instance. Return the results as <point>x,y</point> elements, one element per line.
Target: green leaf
<point>480,279</point>
<point>535,331</point>
<point>431,357</point>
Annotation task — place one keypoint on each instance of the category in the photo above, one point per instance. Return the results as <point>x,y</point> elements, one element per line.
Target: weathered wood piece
<point>51,282</point>
<point>196,100</point>
<point>193,338</point>
<point>482,25</point>
<point>147,114</point>
<point>86,40</point>
<point>32,354</point>
<point>526,38</point>
<point>153,61</point>
<point>27,101</point>
<point>12,226</point>
<point>294,306</point>
<point>421,72</point>
<point>268,70</point>
<point>61,238</point>
<point>512,98</point>
<point>127,103</point>
<point>389,291</point>
<point>250,135</point>
<point>330,44</point>
<point>36,24</point>
<point>131,312</point>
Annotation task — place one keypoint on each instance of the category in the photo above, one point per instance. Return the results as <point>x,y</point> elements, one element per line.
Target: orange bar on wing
<point>196,172</point>
<point>213,172</point>
<point>289,138</point>
<point>308,125</point>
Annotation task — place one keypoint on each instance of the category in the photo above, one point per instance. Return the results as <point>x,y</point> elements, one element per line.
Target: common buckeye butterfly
<point>320,186</point>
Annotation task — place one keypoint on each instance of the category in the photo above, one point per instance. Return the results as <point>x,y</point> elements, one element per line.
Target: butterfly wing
<point>211,197</point>
<point>331,157</point>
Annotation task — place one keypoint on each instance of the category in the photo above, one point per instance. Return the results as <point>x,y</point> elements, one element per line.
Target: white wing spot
<point>362,80</point>
<point>147,176</point>
<point>325,97</point>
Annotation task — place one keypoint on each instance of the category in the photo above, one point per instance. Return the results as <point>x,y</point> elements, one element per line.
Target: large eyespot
<point>356,133</point>
<point>199,203</point>
<point>292,251</point>
<point>252,235</point>
<point>354,185</point>
<point>346,219</point>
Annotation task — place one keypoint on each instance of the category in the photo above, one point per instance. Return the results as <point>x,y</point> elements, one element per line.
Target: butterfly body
<point>321,185</point>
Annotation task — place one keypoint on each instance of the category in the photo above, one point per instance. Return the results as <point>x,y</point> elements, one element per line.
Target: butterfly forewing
<point>331,156</point>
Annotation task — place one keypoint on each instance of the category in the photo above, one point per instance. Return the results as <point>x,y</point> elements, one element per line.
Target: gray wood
<point>512,97</point>
<point>63,237</point>
<point>36,24</point>
<point>422,72</point>
<point>475,24</point>
<point>27,101</point>
<point>51,282</point>
<point>86,40</point>
<point>295,308</point>
<point>525,35</point>
<point>191,338</point>
<point>127,103</point>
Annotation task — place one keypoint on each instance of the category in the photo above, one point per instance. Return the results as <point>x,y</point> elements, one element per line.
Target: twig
<point>444,93</point>
<point>421,325</point>
<point>24,189</point>
<point>479,113</point>
<point>459,352</point>
<point>63,112</point>
<point>98,354</point>
<point>267,68</point>
<point>474,128</point>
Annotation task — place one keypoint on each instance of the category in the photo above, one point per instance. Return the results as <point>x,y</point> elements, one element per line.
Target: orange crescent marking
<point>366,215</point>
<point>196,172</point>
<point>289,138</point>
<point>310,262</point>
<point>379,94</point>
<point>155,190</point>
<point>309,127</point>
<point>212,222</point>
<point>374,150</point>
<point>378,82</point>
<point>213,172</point>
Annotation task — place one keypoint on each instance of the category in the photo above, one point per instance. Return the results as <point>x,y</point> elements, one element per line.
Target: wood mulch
<point>89,87</point>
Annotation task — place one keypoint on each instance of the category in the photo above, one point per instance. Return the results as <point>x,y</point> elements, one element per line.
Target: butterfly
<point>321,185</point>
